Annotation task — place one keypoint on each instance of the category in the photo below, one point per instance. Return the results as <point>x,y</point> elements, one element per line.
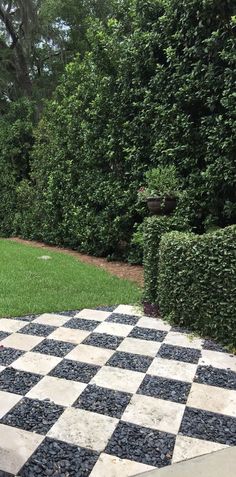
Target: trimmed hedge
<point>154,228</point>
<point>197,282</point>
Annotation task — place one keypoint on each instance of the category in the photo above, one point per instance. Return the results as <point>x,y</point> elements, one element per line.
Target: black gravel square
<point>135,362</point>
<point>103,401</point>
<point>107,308</point>
<point>59,459</point>
<point>8,355</point>
<point>102,340</point>
<point>209,426</point>
<point>147,334</point>
<point>37,329</point>
<point>141,444</point>
<point>213,346</point>
<point>3,335</point>
<point>54,348</point>
<point>80,324</point>
<point>6,474</point>
<point>163,388</point>
<point>18,382</point>
<point>27,318</point>
<point>179,353</point>
<point>33,415</point>
<point>124,319</point>
<point>75,371</point>
<point>223,378</point>
<point>70,313</point>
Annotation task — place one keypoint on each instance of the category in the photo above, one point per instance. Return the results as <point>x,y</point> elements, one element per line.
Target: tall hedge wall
<point>197,282</point>
<point>155,88</point>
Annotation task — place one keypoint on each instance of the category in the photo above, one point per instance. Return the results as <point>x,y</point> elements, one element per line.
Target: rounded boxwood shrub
<point>197,282</point>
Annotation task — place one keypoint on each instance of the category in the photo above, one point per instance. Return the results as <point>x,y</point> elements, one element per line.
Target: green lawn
<point>32,285</point>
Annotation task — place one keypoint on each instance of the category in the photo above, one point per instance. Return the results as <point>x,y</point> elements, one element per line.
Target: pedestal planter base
<point>160,206</point>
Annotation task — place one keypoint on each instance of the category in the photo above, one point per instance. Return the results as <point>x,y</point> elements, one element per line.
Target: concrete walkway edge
<point>217,464</point>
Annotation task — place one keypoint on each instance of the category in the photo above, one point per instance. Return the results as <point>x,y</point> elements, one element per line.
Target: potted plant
<point>162,190</point>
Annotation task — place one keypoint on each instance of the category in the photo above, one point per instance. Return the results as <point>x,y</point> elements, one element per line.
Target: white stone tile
<point>69,335</point>
<point>90,354</point>
<point>116,329</point>
<point>171,369</point>
<point>11,326</point>
<point>59,391</point>
<point>189,447</point>
<point>218,360</point>
<point>22,341</point>
<point>154,413</point>
<point>16,446</point>
<point>137,346</point>
<point>153,323</point>
<point>214,399</point>
<point>36,363</point>
<point>52,319</point>
<point>112,466</point>
<point>96,315</point>
<point>118,379</point>
<point>181,339</point>
<point>7,401</point>
<point>2,368</point>
<point>84,428</point>
<point>129,310</point>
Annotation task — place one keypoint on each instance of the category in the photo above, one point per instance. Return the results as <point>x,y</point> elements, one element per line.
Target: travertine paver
<point>108,393</point>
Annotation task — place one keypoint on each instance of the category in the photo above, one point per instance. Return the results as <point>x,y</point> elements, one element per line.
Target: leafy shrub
<point>16,140</point>
<point>154,228</point>
<point>24,217</point>
<point>161,182</point>
<point>7,203</point>
<point>197,282</point>
<point>135,256</point>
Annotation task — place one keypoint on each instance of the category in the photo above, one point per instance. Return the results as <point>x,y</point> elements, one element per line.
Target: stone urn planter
<point>161,206</point>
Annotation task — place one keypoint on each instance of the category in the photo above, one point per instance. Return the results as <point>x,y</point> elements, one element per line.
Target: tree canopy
<point>37,39</point>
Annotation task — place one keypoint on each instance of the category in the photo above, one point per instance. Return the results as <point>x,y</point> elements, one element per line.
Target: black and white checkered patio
<point>108,393</point>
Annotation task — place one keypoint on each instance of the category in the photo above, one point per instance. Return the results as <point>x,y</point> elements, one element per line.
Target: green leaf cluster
<point>161,182</point>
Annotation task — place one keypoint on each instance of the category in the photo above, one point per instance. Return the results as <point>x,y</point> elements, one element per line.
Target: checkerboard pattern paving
<point>109,393</point>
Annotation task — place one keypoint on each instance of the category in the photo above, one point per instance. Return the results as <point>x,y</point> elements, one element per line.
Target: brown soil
<point>120,269</point>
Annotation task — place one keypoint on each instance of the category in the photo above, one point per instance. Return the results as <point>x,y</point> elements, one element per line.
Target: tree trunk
<point>20,64</point>
<point>22,71</point>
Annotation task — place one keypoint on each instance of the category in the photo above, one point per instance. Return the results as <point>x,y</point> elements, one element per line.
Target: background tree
<point>17,28</point>
<point>37,39</point>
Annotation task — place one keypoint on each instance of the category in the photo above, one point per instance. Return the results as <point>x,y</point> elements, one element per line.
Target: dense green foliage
<point>154,229</point>
<point>33,285</point>
<point>136,247</point>
<point>197,282</point>
<point>152,86</point>
<point>16,139</point>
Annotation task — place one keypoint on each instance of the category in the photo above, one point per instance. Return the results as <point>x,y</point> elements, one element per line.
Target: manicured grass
<point>29,284</point>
